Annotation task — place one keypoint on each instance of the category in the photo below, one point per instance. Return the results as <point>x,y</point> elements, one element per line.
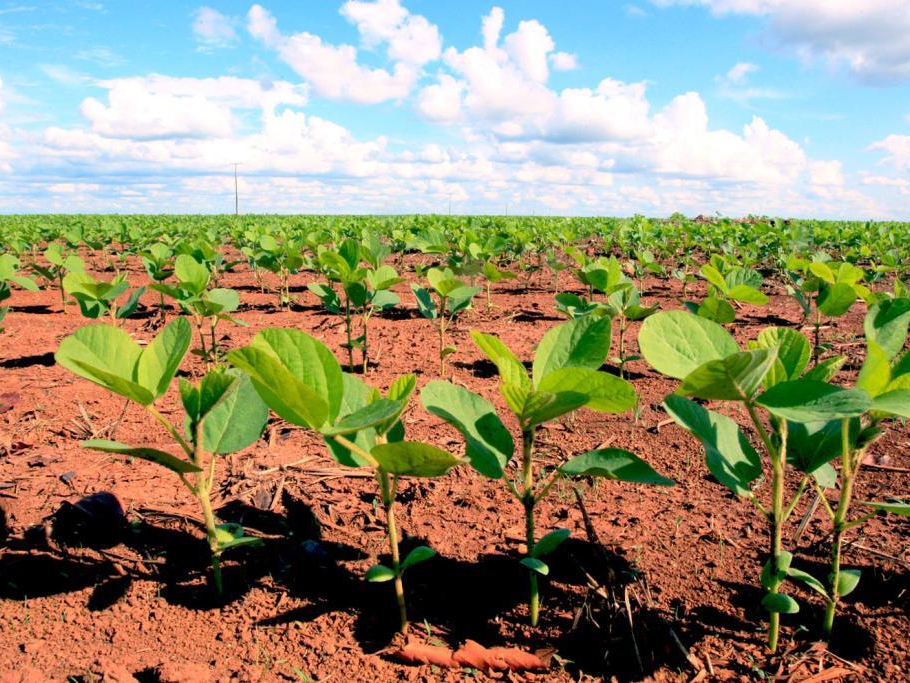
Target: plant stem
<point>848,476</point>
<point>388,500</point>
<point>347,331</point>
<point>529,501</point>
<point>622,346</point>
<point>203,492</point>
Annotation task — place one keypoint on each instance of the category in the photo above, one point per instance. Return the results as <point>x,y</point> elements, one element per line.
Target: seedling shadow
<point>43,359</point>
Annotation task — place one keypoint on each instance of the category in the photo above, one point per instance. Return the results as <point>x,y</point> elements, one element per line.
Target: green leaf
<point>489,445</point>
<point>372,414</point>
<point>167,460</point>
<point>616,464</point>
<point>419,554</point>
<point>581,343</point>
<point>606,393</point>
<point>886,323</point>
<point>847,580</point>
<point>734,378</point>
<point>537,407</point>
<point>811,445</point>
<point>510,368</point>
<point>675,342</point>
<point>793,353</point>
<point>425,303</point>
<point>895,402</point>
<point>716,310</point>
<point>413,459</point>
<point>356,395</point>
<point>835,300</point>
<point>825,371</point>
<point>729,455</point>
<point>282,391</point>
<point>748,295</point>
<point>875,375</point>
<point>549,542</point>
<point>236,417</point>
<point>460,298</point>
<point>535,565</point>
<point>807,579</point>
<point>192,275</point>
<point>807,401</point>
<point>780,603</point>
<point>379,573</point>
<point>159,361</point>
<point>902,509</point>
<point>712,275</point>
<point>772,579</point>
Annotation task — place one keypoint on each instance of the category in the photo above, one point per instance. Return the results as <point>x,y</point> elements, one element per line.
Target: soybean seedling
<point>564,378</point>
<point>98,298</point>
<point>712,367</point>
<point>302,381</point>
<point>453,296</point>
<point>223,412</point>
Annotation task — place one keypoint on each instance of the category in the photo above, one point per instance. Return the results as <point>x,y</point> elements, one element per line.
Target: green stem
<point>622,346</point>
<point>171,430</point>
<point>387,489</point>
<point>529,502</point>
<point>796,497</point>
<point>347,331</point>
<point>203,494</point>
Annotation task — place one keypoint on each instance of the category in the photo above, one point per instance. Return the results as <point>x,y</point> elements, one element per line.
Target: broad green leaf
<point>549,542</point>
<point>772,579</point>
<point>822,271</point>
<point>614,463</point>
<point>780,603</point>
<point>895,402</point>
<point>236,418</point>
<point>192,275</point>
<point>222,300</point>
<point>748,295</point>
<point>159,360</point>
<point>825,371</point>
<point>734,378</point>
<point>886,323</point>
<point>808,401</point>
<point>282,391</point>
<point>606,393</point>
<point>419,554</point>
<point>537,407</point>
<point>167,460</point>
<point>808,580</point>
<point>413,459</point>
<point>836,299</point>
<point>902,509</point>
<point>875,375</point>
<point>379,573</point>
<point>729,455</point>
<point>356,395</point>
<point>793,353</point>
<point>716,310</point>
<point>712,275</point>
<point>675,342</point>
<point>374,413</point>
<point>847,580</point>
<point>489,445</point>
<point>581,343</point>
<point>811,445</point>
<point>535,565</point>
<point>510,368</point>
<point>425,303</point>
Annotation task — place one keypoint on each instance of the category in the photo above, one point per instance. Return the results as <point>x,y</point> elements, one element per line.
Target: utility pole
<point>236,193</point>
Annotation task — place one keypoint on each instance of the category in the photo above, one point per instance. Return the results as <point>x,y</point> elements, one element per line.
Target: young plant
<point>735,285</point>
<point>281,258</point>
<point>712,367</point>
<point>564,378</point>
<point>158,262</point>
<point>625,303</point>
<point>453,296</point>
<point>207,306</point>
<point>223,412</point>
<point>9,275</point>
<point>302,381</point>
<point>98,298</point>
<point>58,265</point>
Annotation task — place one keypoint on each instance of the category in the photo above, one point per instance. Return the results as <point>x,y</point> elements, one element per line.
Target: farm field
<point>660,576</point>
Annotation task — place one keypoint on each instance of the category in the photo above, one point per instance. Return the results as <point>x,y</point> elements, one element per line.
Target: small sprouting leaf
<point>419,554</point>
<point>489,445</point>
<point>825,371</point>
<point>807,579</point>
<point>413,459</point>
<point>606,393</point>
<point>847,580</point>
<point>167,460</point>
<point>734,378</point>
<point>780,603</point>
<point>372,414</point>
<point>808,401</point>
<point>379,573</point>
<point>447,350</point>
<point>549,542</point>
<point>614,463</point>
<point>771,579</point>
<point>675,342</point>
<point>535,565</point>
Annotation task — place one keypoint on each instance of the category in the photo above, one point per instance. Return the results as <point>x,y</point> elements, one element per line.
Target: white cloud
<point>734,85</point>
<point>6,150</point>
<point>333,70</point>
<point>868,38</point>
<point>897,151</point>
<point>441,101</point>
<point>564,61</point>
<point>213,29</point>
<point>1,94</point>
<point>739,72</point>
<point>65,75</point>
<point>410,38</point>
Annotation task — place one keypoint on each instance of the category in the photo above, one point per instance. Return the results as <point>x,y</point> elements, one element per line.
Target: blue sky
<point>781,107</point>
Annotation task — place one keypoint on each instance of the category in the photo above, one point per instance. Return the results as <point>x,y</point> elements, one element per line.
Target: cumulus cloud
<point>896,149</point>
<point>867,38</point>
<point>734,85</point>
<point>212,29</point>
<point>564,61</point>
<point>334,71</point>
